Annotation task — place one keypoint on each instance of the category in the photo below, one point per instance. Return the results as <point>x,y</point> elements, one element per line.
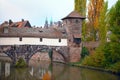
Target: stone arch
<point>55,53</point>
<point>40,56</point>
<point>58,56</point>
<point>63,52</point>
<point>38,50</point>
<point>27,51</point>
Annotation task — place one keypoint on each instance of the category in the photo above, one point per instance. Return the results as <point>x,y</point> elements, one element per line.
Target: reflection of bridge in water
<point>4,70</point>
<point>38,71</point>
<point>56,71</point>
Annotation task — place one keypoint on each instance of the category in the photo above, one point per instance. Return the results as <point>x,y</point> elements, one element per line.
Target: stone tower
<point>73,26</point>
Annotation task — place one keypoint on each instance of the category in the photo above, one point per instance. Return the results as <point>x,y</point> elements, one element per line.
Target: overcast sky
<point>36,11</point>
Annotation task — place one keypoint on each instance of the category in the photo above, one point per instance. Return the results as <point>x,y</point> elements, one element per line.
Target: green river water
<point>45,71</point>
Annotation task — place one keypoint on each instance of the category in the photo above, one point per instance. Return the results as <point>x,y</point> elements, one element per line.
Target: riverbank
<point>93,68</point>
<point>78,64</point>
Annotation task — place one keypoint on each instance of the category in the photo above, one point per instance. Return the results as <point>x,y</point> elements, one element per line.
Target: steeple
<point>46,23</point>
<point>51,22</point>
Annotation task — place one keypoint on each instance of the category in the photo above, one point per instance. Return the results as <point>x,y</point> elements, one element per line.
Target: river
<point>45,71</point>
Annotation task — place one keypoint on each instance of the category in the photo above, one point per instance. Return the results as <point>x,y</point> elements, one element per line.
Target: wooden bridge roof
<point>33,32</point>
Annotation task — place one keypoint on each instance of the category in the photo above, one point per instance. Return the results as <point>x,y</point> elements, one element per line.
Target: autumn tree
<point>103,24</point>
<point>80,6</point>
<point>94,10</point>
<point>108,57</point>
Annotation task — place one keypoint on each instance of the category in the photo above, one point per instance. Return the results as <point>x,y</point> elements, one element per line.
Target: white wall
<point>32,41</point>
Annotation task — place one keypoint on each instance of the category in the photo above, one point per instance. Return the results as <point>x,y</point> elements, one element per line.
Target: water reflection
<point>0,68</point>
<point>7,69</point>
<point>40,70</point>
<point>4,70</point>
<point>46,71</point>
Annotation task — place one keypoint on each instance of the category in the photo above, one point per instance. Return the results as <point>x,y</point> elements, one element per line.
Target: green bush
<point>115,67</point>
<point>21,63</point>
<point>84,52</point>
<point>95,60</point>
<point>88,61</point>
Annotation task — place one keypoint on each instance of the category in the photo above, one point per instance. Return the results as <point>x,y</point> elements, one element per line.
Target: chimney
<point>10,22</point>
<point>22,20</point>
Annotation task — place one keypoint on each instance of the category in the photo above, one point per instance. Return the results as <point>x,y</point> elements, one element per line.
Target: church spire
<point>51,22</point>
<point>46,23</point>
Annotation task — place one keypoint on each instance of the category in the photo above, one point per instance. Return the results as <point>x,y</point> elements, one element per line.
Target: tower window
<point>59,40</point>
<point>77,40</point>
<point>41,39</point>
<point>20,39</point>
<point>76,21</point>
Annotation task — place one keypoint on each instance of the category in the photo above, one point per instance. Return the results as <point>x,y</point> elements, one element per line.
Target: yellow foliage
<point>94,9</point>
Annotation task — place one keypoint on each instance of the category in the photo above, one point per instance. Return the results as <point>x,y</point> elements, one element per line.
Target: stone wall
<point>74,54</point>
<point>91,46</point>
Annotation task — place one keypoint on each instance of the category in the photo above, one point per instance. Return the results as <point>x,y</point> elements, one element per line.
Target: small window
<point>63,32</point>
<point>20,39</point>
<point>76,21</point>
<point>40,31</point>
<point>59,40</point>
<point>41,39</point>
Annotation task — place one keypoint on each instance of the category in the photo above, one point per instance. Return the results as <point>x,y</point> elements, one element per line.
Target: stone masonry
<point>27,51</point>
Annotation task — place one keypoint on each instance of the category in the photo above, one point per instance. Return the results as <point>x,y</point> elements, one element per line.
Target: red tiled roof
<point>19,24</point>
